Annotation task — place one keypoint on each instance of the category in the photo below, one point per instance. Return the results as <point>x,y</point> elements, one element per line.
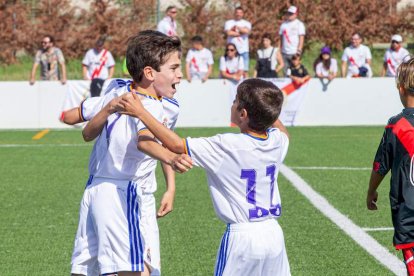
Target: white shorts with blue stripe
<point>109,237</point>
<point>255,248</point>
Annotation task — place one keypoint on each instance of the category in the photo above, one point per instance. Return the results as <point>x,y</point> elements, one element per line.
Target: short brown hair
<point>405,76</point>
<point>149,48</point>
<point>262,100</point>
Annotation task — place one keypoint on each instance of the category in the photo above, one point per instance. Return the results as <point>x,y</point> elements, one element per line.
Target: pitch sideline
<point>369,244</point>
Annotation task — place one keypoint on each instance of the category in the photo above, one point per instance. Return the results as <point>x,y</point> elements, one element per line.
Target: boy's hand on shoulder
<point>167,204</point>
<point>372,198</point>
<point>182,163</point>
<point>130,104</point>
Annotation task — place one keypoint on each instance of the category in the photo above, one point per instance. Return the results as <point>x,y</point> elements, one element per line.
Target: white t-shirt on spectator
<point>93,61</point>
<point>199,60</point>
<point>357,57</point>
<point>265,53</point>
<point>321,70</point>
<point>241,42</point>
<point>393,59</point>
<point>231,66</point>
<point>290,32</point>
<point>167,26</point>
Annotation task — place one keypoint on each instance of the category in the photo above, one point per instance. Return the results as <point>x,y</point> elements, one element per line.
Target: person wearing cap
<point>237,31</point>
<point>325,66</point>
<point>98,65</point>
<point>168,25</point>
<point>292,36</point>
<point>199,61</point>
<point>394,56</point>
<point>356,59</point>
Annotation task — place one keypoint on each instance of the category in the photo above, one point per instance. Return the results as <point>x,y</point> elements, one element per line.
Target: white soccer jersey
<point>242,173</point>
<point>321,70</point>
<point>231,66</point>
<point>91,106</point>
<point>199,61</point>
<point>167,26</point>
<point>241,42</point>
<point>290,31</point>
<point>356,57</point>
<point>393,59</point>
<point>98,63</point>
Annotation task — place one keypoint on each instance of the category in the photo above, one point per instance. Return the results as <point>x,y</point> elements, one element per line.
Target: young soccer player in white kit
<point>113,208</point>
<point>242,174</point>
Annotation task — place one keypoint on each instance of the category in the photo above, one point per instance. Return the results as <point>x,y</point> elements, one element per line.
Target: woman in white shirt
<point>325,66</point>
<point>269,60</point>
<point>231,64</point>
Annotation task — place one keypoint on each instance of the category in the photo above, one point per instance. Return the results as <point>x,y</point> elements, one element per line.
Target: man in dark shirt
<point>396,153</point>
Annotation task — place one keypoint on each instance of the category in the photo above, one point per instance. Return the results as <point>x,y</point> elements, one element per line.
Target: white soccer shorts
<point>109,237</point>
<point>255,248</point>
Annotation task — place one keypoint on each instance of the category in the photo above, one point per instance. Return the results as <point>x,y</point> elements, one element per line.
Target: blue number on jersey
<point>258,211</point>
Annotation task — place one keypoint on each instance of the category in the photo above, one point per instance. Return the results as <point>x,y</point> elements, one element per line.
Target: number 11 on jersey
<point>259,211</point>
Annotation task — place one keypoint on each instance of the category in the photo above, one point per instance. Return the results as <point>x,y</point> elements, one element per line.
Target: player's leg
<point>116,214</point>
<point>84,257</point>
<point>409,260</point>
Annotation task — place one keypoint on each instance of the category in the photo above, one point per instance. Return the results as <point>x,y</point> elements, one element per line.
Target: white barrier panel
<point>346,102</point>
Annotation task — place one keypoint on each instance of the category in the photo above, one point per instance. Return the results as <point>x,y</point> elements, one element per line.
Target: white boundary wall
<point>346,102</point>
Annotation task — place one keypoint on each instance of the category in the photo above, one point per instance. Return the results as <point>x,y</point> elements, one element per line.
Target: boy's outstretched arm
<point>72,116</point>
<point>147,144</point>
<point>131,105</point>
<point>278,124</point>
<point>372,194</point>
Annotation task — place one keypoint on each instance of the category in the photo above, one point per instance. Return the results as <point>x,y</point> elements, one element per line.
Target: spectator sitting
<point>199,61</point>
<point>356,59</point>
<point>394,56</point>
<point>98,65</point>
<point>269,60</point>
<point>231,64</point>
<point>325,66</point>
<point>297,72</point>
<point>49,58</point>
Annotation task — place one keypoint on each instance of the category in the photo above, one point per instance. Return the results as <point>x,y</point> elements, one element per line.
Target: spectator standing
<point>49,57</point>
<point>199,61</point>
<point>325,66</point>
<point>231,64</point>
<point>356,59</point>
<point>292,36</point>
<point>237,31</point>
<point>98,65</point>
<point>269,60</point>
<point>297,72</point>
<point>394,56</point>
<point>168,25</point>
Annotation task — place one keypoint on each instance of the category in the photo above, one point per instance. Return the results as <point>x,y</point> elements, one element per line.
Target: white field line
<point>374,229</point>
<point>43,145</point>
<point>345,224</point>
<point>333,168</point>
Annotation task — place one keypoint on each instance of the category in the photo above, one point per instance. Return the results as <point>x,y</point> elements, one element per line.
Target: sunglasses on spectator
<point>173,11</point>
<point>45,42</point>
<point>230,50</point>
<point>395,41</point>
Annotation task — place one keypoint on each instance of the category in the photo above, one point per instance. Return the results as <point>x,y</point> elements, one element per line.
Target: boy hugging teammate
<point>242,172</point>
<point>118,232</point>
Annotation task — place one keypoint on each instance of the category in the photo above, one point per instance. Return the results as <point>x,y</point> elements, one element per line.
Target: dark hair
<point>227,45</point>
<point>51,38</point>
<point>170,8</point>
<point>197,38</point>
<point>268,36</point>
<point>149,48</point>
<point>358,34</point>
<point>326,63</point>
<point>262,100</point>
<point>239,8</point>
<point>296,56</point>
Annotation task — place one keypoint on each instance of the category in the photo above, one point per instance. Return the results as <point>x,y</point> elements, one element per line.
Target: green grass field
<point>41,184</point>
